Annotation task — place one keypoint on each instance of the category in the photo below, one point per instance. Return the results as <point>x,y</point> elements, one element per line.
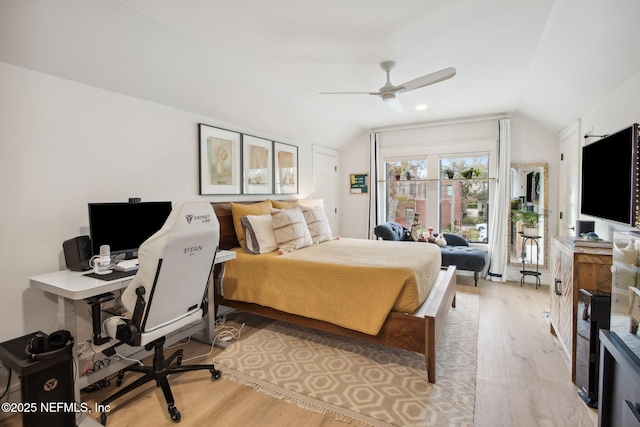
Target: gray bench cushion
<point>463,257</point>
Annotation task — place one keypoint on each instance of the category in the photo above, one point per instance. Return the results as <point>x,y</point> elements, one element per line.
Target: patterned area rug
<point>361,382</point>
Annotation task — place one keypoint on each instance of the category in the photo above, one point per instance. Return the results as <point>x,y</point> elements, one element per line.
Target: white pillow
<point>259,237</point>
<point>290,229</point>
<point>318,223</point>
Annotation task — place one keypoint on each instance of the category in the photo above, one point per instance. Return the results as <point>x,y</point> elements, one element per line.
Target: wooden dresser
<point>574,268</point>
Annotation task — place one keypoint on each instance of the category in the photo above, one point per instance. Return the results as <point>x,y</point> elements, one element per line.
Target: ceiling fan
<point>389,92</point>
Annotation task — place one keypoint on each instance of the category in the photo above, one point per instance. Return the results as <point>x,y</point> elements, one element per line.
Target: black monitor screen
<point>124,226</point>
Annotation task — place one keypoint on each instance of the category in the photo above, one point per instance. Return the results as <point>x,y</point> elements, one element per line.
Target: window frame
<point>433,154</point>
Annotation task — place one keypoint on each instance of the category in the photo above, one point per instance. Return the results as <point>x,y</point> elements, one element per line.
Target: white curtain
<point>373,184</point>
<point>499,226</point>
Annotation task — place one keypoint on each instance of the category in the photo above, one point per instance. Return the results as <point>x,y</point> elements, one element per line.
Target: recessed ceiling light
<point>421,107</point>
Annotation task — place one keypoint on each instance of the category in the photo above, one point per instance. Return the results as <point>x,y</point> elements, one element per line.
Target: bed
<point>417,331</point>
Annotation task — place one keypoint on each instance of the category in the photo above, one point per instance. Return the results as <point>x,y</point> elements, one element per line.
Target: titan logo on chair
<point>192,249</point>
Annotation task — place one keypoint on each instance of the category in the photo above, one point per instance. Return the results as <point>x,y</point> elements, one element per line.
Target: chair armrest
<point>102,298</point>
<point>95,302</point>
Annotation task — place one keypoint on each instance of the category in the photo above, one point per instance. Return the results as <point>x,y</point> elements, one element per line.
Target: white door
<point>325,182</point>
<point>568,174</point>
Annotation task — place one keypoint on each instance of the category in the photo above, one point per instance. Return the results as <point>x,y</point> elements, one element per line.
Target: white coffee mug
<point>101,263</point>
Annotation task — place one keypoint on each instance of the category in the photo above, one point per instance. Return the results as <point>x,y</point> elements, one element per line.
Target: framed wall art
<point>257,155</point>
<point>220,171</point>
<point>286,168</point>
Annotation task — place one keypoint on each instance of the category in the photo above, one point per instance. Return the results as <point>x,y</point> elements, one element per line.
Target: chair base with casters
<point>159,372</point>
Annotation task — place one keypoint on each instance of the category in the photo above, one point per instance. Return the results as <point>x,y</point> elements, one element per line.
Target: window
<point>465,196</point>
<point>449,192</point>
<point>405,191</point>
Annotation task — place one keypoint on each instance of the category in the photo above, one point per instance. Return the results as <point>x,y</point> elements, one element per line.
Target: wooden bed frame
<point>419,331</point>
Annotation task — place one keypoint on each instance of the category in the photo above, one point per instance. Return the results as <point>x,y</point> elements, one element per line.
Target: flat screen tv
<point>124,226</point>
<point>610,177</point>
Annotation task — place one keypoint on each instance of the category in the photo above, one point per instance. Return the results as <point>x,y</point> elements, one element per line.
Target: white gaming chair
<point>167,294</point>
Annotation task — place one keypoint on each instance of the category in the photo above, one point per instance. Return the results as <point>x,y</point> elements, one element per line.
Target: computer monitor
<point>124,226</point>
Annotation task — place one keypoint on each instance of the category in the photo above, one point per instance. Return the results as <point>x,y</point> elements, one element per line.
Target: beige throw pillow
<point>318,223</point>
<point>259,237</point>
<point>291,229</point>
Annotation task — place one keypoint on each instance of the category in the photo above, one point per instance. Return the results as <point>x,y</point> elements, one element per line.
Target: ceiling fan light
<point>394,104</point>
<point>388,97</point>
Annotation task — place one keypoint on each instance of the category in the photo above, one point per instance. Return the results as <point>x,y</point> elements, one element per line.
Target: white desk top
<point>76,286</point>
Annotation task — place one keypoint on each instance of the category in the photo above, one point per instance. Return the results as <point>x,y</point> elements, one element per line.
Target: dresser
<point>574,268</point>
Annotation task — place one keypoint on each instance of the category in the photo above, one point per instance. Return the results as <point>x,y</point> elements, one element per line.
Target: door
<point>325,182</point>
<point>568,174</point>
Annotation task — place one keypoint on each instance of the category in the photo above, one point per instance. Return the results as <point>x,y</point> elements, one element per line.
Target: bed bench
<point>456,252</point>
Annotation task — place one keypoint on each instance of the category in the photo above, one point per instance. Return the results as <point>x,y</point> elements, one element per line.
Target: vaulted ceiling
<point>548,60</point>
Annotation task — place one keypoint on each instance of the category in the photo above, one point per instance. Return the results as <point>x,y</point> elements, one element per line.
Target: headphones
<point>40,347</point>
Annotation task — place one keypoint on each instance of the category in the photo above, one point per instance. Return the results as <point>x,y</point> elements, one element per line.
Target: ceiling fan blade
<point>427,80</point>
<point>348,93</point>
<point>394,104</point>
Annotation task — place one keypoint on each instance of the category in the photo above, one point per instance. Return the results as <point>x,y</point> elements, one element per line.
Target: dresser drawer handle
<point>558,282</point>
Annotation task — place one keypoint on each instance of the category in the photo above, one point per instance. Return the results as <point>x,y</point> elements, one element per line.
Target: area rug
<point>360,382</point>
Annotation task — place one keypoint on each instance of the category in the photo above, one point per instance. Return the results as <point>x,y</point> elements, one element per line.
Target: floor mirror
<point>529,191</point>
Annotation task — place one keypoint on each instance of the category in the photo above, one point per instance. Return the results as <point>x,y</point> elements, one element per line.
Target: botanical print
<point>220,154</point>
<point>220,169</point>
<point>286,168</point>
<point>258,165</point>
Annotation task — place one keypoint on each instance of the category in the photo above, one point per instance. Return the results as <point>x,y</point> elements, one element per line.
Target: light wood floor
<point>522,377</point>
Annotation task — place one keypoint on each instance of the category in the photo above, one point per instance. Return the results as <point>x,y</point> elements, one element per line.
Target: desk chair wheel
<point>120,378</point>
<point>215,374</point>
<point>174,413</point>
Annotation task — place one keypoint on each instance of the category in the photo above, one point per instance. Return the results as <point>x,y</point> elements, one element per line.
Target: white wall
<point>64,144</point>
<point>353,214</point>
<point>619,109</point>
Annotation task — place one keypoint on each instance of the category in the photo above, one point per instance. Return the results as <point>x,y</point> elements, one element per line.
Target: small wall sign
<point>359,183</point>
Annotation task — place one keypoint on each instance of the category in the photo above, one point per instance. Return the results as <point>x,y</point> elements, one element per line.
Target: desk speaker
<point>77,253</point>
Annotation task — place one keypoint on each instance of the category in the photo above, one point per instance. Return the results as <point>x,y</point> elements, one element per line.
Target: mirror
<point>529,191</point>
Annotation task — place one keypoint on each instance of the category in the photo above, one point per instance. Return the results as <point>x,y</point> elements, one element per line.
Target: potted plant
<point>396,171</point>
<point>470,173</point>
<point>529,220</point>
<point>448,172</point>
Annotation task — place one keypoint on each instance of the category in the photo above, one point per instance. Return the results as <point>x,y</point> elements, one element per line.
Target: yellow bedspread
<point>353,283</point>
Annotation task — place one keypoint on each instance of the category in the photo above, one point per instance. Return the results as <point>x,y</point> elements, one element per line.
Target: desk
<point>71,286</point>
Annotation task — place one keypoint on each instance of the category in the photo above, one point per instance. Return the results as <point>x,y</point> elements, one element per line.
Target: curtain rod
<point>440,123</point>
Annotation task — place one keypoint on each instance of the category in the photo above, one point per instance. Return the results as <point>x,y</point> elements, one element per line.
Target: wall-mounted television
<point>610,177</point>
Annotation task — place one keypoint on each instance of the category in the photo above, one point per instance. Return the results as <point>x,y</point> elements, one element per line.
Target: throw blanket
<point>353,283</point>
